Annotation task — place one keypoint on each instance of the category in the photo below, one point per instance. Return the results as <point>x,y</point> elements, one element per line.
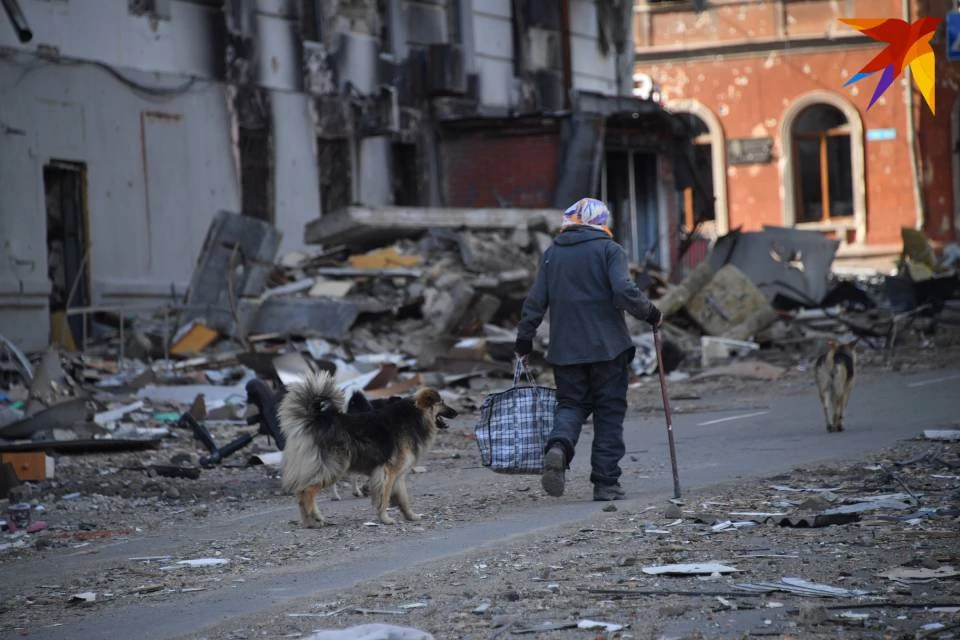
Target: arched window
<point>693,199</point>
<point>822,164</point>
<point>711,161</point>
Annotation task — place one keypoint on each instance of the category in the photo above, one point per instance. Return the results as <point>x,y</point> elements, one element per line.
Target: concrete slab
<point>362,227</point>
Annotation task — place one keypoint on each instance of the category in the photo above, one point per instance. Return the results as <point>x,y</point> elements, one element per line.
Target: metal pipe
<point>20,25</point>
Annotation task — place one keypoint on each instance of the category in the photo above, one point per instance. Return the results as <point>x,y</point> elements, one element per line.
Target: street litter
<point>801,587</point>
<point>383,612</point>
<point>197,563</point>
<point>870,505</point>
<point>707,568</point>
<point>83,598</point>
<point>729,525</point>
<point>377,631</point>
<point>594,625</point>
<point>919,574</point>
<point>851,615</point>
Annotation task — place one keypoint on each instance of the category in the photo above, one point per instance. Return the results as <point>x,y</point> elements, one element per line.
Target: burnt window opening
<point>698,201</point>
<point>335,175</point>
<point>405,175</point>
<point>311,21</point>
<point>822,164</point>
<point>256,173</point>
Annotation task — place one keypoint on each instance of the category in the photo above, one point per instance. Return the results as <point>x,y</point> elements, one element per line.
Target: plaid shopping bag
<point>514,426</point>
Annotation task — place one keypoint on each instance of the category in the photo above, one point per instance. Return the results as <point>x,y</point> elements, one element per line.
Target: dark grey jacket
<point>583,279</point>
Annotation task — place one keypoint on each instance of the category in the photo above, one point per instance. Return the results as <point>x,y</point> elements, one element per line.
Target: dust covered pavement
<point>891,571</point>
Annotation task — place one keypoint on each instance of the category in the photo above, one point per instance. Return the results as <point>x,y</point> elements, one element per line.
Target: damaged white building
<point>126,125</point>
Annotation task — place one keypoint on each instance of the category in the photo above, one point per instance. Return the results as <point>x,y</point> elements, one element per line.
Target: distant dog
<point>324,443</point>
<point>834,373</point>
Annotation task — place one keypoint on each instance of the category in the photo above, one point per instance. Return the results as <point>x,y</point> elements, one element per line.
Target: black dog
<point>325,442</point>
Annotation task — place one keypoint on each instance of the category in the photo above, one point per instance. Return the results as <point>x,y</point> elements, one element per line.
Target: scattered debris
<point>86,597</point>
<point>376,631</point>
<point>799,586</point>
<point>594,625</point>
<point>919,574</point>
<point>197,563</point>
<point>705,569</point>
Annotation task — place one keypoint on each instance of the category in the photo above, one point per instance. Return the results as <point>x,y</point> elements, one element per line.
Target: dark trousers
<point>598,388</point>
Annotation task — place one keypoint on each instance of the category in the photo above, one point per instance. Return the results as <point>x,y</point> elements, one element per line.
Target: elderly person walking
<point>584,281</point>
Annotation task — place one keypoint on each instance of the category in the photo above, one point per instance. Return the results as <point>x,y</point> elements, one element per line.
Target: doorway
<point>630,188</point>
<point>64,185</point>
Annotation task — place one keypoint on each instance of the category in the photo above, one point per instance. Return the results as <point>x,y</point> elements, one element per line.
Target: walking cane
<point>666,411</point>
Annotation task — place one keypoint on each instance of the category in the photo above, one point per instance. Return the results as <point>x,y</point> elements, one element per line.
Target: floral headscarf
<point>588,212</point>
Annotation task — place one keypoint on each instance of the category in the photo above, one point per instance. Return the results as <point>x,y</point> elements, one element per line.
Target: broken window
<point>822,164</point>
<point>406,175</point>
<point>256,173</point>
<point>336,181</point>
<point>251,111</point>
<point>310,21</point>
<point>696,200</point>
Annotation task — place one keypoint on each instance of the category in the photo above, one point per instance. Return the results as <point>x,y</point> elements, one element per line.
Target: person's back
<point>584,281</point>
<point>586,324</point>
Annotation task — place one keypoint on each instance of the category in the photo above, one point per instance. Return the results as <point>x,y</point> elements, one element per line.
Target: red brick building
<point>785,143</point>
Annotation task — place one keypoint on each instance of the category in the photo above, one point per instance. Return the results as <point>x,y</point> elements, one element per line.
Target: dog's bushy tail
<point>306,413</point>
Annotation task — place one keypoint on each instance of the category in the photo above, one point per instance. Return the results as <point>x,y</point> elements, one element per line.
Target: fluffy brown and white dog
<point>325,443</point>
<point>834,373</point>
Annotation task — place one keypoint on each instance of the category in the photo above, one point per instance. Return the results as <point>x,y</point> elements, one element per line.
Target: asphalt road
<point>712,448</point>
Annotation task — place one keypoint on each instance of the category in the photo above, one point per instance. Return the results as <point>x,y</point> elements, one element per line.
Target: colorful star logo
<point>908,44</point>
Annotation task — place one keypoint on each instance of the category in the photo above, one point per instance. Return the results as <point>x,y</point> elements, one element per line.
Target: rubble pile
<point>436,307</point>
<point>437,310</point>
<point>773,295</point>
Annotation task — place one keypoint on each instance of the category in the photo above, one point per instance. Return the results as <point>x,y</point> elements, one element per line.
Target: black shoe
<point>606,492</point>
<point>554,471</point>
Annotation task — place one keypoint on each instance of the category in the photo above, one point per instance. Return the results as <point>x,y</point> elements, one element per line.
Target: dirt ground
<point>540,587</point>
<point>99,499</point>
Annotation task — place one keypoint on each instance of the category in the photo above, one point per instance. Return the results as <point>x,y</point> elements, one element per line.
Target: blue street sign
<point>953,36</point>
<point>881,134</point>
